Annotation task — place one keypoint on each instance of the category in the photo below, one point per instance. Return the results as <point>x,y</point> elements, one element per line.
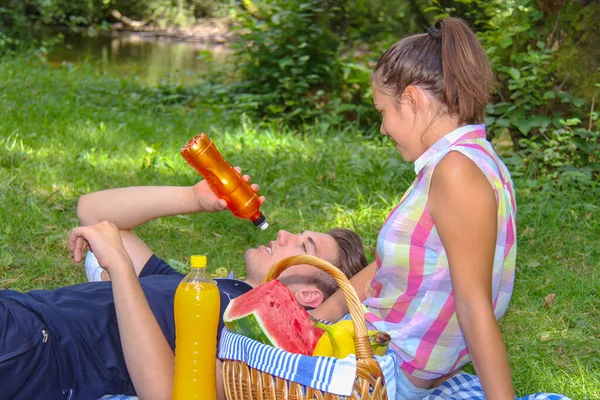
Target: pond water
<point>150,59</point>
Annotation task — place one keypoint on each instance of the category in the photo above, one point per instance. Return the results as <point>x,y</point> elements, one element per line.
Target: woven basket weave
<point>246,383</point>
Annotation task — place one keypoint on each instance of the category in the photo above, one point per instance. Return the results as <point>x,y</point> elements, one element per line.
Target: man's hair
<point>350,259</point>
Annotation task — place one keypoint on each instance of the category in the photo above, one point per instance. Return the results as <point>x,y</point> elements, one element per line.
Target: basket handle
<point>361,338</point>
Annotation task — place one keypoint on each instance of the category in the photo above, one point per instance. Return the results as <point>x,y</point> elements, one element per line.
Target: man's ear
<point>309,297</point>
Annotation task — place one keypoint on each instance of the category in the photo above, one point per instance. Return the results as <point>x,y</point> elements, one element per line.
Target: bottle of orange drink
<point>197,303</point>
<point>228,184</point>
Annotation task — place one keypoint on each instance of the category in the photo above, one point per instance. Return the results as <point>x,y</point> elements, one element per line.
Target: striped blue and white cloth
<point>327,374</point>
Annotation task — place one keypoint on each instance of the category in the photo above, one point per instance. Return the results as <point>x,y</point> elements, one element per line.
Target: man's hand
<point>104,240</point>
<point>207,201</point>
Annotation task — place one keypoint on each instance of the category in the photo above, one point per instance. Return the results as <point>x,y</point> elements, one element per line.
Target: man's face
<point>260,260</point>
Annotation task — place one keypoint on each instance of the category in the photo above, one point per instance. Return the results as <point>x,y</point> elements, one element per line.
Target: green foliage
<point>81,12</point>
<point>18,34</point>
<point>93,12</point>
<point>530,102</point>
<point>14,30</point>
<point>578,55</point>
<point>297,62</point>
<point>288,59</point>
<point>569,153</point>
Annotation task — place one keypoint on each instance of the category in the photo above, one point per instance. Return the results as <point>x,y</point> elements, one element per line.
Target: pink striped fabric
<point>411,296</point>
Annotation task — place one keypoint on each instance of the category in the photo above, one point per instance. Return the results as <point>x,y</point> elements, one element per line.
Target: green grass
<point>64,133</point>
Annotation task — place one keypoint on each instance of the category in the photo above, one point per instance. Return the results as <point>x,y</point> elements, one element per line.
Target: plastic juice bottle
<point>228,184</point>
<point>197,303</point>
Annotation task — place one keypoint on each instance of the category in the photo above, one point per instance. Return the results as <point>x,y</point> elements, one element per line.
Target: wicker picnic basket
<point>246,383</point>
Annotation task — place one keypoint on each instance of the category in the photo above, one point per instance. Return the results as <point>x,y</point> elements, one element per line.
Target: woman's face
<point>399,124</point>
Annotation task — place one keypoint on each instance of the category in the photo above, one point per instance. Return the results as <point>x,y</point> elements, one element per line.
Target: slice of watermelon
<point>269,314</point>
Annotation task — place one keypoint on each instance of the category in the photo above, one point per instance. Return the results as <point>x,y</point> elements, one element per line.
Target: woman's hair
<point>448,62</point>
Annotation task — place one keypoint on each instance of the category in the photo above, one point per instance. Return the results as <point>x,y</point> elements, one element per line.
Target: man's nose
<point>283,237</point>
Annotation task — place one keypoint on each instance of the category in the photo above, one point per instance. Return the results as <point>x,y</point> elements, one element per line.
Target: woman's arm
<point>335,307</point>
<point>463,206</point>
<point>148,356</point>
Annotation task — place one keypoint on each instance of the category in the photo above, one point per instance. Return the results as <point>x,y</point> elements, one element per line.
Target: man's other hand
<point>104,240</point>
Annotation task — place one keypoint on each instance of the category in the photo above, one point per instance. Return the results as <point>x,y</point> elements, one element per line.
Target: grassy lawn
<point>64,133</point>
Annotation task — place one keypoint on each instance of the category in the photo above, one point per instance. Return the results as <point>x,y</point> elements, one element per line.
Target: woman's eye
<point>304,247</point>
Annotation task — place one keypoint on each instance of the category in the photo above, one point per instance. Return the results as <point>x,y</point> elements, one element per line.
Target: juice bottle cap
<point>198,261</point>
<point>261,222</point>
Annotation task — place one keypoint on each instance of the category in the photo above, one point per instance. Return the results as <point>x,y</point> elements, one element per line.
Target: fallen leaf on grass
<point>529,231</point>
<point>220,272</point>
<point>548,300</point>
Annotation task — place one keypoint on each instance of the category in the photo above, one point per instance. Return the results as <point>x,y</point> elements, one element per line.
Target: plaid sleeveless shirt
<point>411,295</point>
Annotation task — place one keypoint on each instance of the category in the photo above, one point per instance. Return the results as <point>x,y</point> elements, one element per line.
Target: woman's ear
<point>412,98</point>
<point>309,297</point>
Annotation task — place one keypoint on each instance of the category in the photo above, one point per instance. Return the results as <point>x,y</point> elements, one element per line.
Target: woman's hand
<point>207,200</point>
<point>104,240</point>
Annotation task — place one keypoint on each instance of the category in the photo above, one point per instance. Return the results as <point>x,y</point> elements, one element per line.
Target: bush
<point>566,153</point>
<point>288,59</point>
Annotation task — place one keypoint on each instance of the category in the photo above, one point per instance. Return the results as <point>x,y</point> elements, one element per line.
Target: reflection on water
<point>150,59</point>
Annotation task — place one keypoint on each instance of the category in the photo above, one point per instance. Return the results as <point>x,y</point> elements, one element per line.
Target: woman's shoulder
<point>455,166</point>
<point>457,176</point>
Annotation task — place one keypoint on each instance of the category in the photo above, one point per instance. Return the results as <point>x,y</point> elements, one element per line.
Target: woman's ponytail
<point>448,62</point>
<point>467,76</point>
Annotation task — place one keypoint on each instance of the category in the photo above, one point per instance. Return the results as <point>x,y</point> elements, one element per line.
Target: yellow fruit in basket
<point>340,337</point>
<point>347,324</point>
<point>379,340</point>
<point>342,341</point>
<point>323,347</point>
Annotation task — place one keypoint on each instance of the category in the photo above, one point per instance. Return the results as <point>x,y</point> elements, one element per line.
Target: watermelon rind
<point>250,326</point>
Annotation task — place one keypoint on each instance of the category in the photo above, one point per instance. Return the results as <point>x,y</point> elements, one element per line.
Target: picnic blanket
<point>461,386</point>
<point>337,375</point>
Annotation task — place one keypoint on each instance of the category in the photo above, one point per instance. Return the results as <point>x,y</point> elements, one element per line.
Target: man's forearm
<point>132,206</point>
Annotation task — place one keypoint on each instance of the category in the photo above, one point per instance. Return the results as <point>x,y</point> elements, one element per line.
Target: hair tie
<point>434,32</point>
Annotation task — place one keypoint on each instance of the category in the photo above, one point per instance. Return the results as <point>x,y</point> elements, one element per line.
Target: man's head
<point>310,286</point>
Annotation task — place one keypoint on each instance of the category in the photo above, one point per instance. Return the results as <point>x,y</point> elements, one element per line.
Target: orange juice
<point>197,303</point>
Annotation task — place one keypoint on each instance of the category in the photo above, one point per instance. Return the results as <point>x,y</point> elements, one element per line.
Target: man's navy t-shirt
<point>82,319</point>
